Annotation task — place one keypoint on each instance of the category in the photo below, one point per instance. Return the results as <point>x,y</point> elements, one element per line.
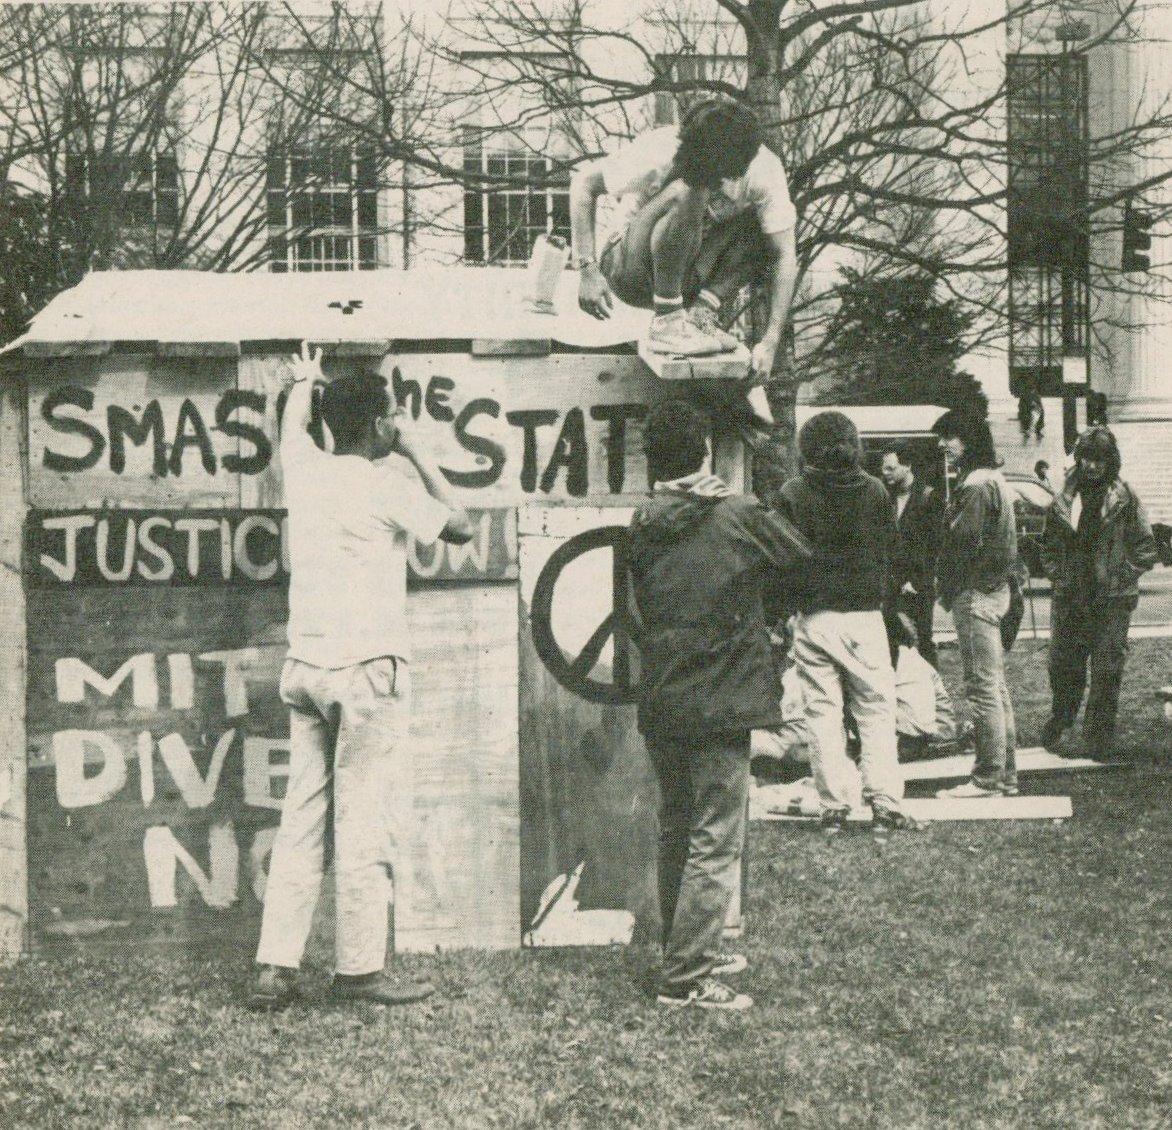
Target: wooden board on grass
<point>1028,761</point>
<point>954,809</point>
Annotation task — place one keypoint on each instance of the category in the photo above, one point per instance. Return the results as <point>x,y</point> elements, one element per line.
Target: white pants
<point>348,730</point>
<point>844,658</point>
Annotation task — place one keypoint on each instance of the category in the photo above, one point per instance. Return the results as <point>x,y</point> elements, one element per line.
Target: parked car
<point>1031,499</point>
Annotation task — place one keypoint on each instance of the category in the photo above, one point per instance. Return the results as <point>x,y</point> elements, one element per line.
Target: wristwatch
<point>581,262</point>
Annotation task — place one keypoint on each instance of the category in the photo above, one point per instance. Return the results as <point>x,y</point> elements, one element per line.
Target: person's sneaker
<point>1051,733</point>
<point>886,818</point>
<point>677,334</point>
<point>834,819</point>
<point>1009,788</point>
<point>704,318</point>
<point>708,992</point>
<point>727,964</point>
<point>970,790</point>
<point>274,987</point>
<point>377,988</point>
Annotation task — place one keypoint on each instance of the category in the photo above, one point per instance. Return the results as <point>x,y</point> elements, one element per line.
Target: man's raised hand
<point>306,365</point>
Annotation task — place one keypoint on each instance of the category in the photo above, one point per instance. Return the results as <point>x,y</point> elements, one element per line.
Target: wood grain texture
<point>69,394</point>
<point>465,839</point>
<point>13,858</point>
<point>732,366</point>
<point>588,793</point>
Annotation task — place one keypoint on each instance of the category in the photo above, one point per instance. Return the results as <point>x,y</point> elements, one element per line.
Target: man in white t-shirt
<point>346,679</point>
<point>704,210</point>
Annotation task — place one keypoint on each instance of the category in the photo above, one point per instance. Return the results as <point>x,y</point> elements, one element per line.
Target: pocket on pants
<point>382,674</point>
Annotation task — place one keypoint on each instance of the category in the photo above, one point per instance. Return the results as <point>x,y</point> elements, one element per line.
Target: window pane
<point>167,210</point>
<point>367,171</point>
<point>276,209</point>
<point>275,170</point>
<point>302,210</point>
<point>166,172</point>
<point>368,210</point>
<point>367,253</point>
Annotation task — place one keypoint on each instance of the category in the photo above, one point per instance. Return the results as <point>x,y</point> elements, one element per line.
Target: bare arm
<point>458,528</point>
<point>781,292</point>
<point>304,372</point>
<point>594,294</point>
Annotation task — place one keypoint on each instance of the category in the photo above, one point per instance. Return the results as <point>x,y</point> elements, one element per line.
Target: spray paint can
<point>550,253</point>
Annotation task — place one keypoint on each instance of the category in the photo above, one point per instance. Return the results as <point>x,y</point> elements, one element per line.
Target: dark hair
<point>973,431</point>
<point>351,403</point>
<point>718,138</point>
<point>675,440</point>
<point>830,441</point>
<point>1099,443</point>
<point>901,451</point>
<point>1040,466</point>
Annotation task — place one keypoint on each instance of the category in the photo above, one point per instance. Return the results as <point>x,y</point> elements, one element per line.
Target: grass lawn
<point>972,975</point>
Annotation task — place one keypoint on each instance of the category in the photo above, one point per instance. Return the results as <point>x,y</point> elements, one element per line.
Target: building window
<point>322,209</point>
<point>671,105</point>
<point>1048,244</point>
<point>501,220</point>
<point>142,189</point>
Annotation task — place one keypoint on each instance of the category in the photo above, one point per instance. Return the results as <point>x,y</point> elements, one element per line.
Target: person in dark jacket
<point>1095,546</point>
<point>978,556</point>
<point>840,641</point>
<point>698,556</point>
<point>917,541</point>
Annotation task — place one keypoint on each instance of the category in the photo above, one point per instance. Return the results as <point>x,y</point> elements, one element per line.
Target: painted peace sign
<point>573,671</point>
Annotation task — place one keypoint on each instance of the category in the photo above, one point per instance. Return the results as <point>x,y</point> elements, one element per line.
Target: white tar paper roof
<point>442,303</point>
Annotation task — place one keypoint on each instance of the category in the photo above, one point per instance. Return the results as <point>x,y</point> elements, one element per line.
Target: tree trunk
<point>775,456</point>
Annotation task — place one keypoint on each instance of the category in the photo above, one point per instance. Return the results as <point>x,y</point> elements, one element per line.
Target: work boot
<point>678,335</point>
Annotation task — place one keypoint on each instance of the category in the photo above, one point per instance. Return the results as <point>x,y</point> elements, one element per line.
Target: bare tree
<point>140,135</point>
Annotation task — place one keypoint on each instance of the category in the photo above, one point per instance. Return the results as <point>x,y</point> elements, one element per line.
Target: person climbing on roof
<point>705,211</point>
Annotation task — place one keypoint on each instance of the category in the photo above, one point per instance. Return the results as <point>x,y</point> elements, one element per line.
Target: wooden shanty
<point>143,605</point>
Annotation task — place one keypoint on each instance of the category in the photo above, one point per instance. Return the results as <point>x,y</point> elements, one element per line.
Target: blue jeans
<point>977,616</point>
<point>703,798</point>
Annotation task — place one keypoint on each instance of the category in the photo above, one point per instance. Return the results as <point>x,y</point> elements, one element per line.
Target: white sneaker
<point>970,790</point>
<point>728,964</point>
<point>704,318</point>
<point>677,334</point>
<point>708,992</point>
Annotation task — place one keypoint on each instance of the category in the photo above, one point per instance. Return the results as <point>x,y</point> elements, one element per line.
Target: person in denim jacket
<point>1096,545</point>
<point>977,558</point>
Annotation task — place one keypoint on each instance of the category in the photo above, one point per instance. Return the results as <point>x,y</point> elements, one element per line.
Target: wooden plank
<point>588,793</point>
<point>563,428</point>
<point>199,348</point>
<point>510,347</point>
<point>131,429</point>
<point>950,809</point>
<point>465,843</point>
<point>38,349</point>
<point>261,375</point>
<point>153,798</point>
<point>13,849</point>
<point>731,366</point>
<point>1028,761</point>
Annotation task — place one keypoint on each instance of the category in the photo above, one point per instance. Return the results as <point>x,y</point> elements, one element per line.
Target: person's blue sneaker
<point>708,992</point>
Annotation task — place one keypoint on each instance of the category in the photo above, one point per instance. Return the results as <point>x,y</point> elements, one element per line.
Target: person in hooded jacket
<point>840,640</point>
<point>698,557</point>
<point>1095,546</point>
<point>977,560</point>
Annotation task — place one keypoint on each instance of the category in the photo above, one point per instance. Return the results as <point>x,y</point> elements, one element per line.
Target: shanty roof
<point>202,311</point>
